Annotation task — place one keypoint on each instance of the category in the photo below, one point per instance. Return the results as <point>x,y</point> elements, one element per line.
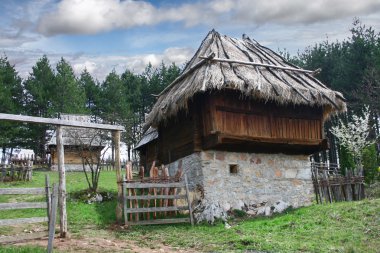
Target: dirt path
<point>91,240</point>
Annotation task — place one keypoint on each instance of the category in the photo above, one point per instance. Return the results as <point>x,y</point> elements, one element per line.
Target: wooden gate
<point>330,185</point>
<point>152,200</point>
<point>51,209</point>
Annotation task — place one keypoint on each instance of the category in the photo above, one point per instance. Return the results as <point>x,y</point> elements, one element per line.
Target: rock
<point>268,211</point>
<point>261,210</point>
<point>252,212</point>
<point>280,206</point>
<point>226,206</point>
<point>209,211</point>
<point>238,205</point>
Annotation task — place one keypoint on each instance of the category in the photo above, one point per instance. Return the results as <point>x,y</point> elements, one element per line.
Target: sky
<point>102,35</point>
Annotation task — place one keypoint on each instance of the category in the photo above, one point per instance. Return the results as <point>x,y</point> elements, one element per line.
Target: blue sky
<point>102,35</point>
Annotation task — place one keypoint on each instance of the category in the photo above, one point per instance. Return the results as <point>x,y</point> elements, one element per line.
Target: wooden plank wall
<point>231,114</point>
<point>73,157</point>
<point>180,137</point>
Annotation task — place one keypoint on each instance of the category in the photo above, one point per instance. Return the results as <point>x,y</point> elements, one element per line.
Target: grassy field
<point>340,227</point>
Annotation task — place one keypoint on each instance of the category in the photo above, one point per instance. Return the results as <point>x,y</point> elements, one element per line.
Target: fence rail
<point>152,200</point>
<point>11,172</point>
<point>330,185</point>
<point>51,209</point>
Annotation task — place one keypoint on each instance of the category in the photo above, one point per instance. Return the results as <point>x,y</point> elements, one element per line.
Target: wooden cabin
<point>240,107</point>
<point>78,143</point>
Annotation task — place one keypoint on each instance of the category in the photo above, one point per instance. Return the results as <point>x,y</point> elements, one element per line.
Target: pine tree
<point>11,95</point>
<point>38,102</point>
<point>69,96</point>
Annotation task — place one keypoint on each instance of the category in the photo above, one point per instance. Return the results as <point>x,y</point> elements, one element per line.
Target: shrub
<point>370,163</point>
<point>346,159</point>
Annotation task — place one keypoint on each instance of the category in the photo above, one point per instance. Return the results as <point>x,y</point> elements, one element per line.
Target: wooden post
<point>48,197</point>
<point>119,207</point>
<point>62,184</point>
<point>52,219</point>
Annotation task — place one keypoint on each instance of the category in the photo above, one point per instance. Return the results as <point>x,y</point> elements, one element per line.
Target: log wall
<point>73,156</point>
<point>227,120</point>
<point>231,114</point>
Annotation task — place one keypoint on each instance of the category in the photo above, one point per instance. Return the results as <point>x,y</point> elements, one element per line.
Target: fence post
<point>48,196</point>
<point>62,183</point>
<point>52,218</point>
<point>188,201</point>
<point>119,207</point>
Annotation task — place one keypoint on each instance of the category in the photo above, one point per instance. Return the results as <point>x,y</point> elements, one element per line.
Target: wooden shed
<point>242,121</point>
<point>78,143</point>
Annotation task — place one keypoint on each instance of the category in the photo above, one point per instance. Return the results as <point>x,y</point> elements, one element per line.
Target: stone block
<point>220,156</point>
<point>258,160</point>
<point>278,173</point>
<point>243,156</point>
<point>208,155</point>
<point>296,182</point>
<point>280,206</point>
<point>304,173</point>
<point>290,173</point>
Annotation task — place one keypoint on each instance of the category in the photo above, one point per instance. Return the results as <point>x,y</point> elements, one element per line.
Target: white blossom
<point>354,135</point>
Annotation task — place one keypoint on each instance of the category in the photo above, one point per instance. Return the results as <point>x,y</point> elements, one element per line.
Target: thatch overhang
<point>243,64</point>
<point>150,135</point>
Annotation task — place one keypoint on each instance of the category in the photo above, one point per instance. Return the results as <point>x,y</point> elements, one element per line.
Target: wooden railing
<point>13,172</point>
<point>330,185</point>
<point>51,209</point>
<point>146,200</point>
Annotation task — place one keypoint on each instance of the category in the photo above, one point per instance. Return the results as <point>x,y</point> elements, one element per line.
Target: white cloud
<point>97,65</point>
<point>94,16</point>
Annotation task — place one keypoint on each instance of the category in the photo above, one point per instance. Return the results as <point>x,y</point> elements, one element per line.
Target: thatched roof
<point>243,64</point>
<point>74,136</point>
<point>150,135</point>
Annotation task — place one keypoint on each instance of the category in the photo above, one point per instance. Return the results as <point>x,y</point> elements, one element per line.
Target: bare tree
<point>90,144</point>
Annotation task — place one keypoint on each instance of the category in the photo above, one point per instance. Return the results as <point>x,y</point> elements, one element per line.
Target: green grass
<point>339,227</point>
<point>25,249</point>
<point>79,213</point>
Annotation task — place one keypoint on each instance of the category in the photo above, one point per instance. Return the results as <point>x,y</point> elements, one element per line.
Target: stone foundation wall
<point>246,181</point>
<point>70,167</point>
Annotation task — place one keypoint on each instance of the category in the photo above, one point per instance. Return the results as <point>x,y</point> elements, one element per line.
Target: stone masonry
<point>247,181</point>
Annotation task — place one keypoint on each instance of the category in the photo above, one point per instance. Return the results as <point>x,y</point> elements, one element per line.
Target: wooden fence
<point>152,200</point>
<point>51,209</point>
<point>330,185</point>
<point>16,172</point>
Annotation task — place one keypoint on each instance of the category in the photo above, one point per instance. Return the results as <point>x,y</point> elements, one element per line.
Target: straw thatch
<point>150,135</point>
<point>74,136</point>
<point>269,78</point>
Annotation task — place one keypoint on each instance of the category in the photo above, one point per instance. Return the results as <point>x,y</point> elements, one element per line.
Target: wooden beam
<point>17,191</point>
<point>62,183</point>
<point>149,197</point>
<point>22,205</point>
<point>156,209</point>
<point>186,73</point>
<point>139,185</point>
<point>31,119</point>
<point>260,65</point>
<point>160,221</point>
<point>119,207</point>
